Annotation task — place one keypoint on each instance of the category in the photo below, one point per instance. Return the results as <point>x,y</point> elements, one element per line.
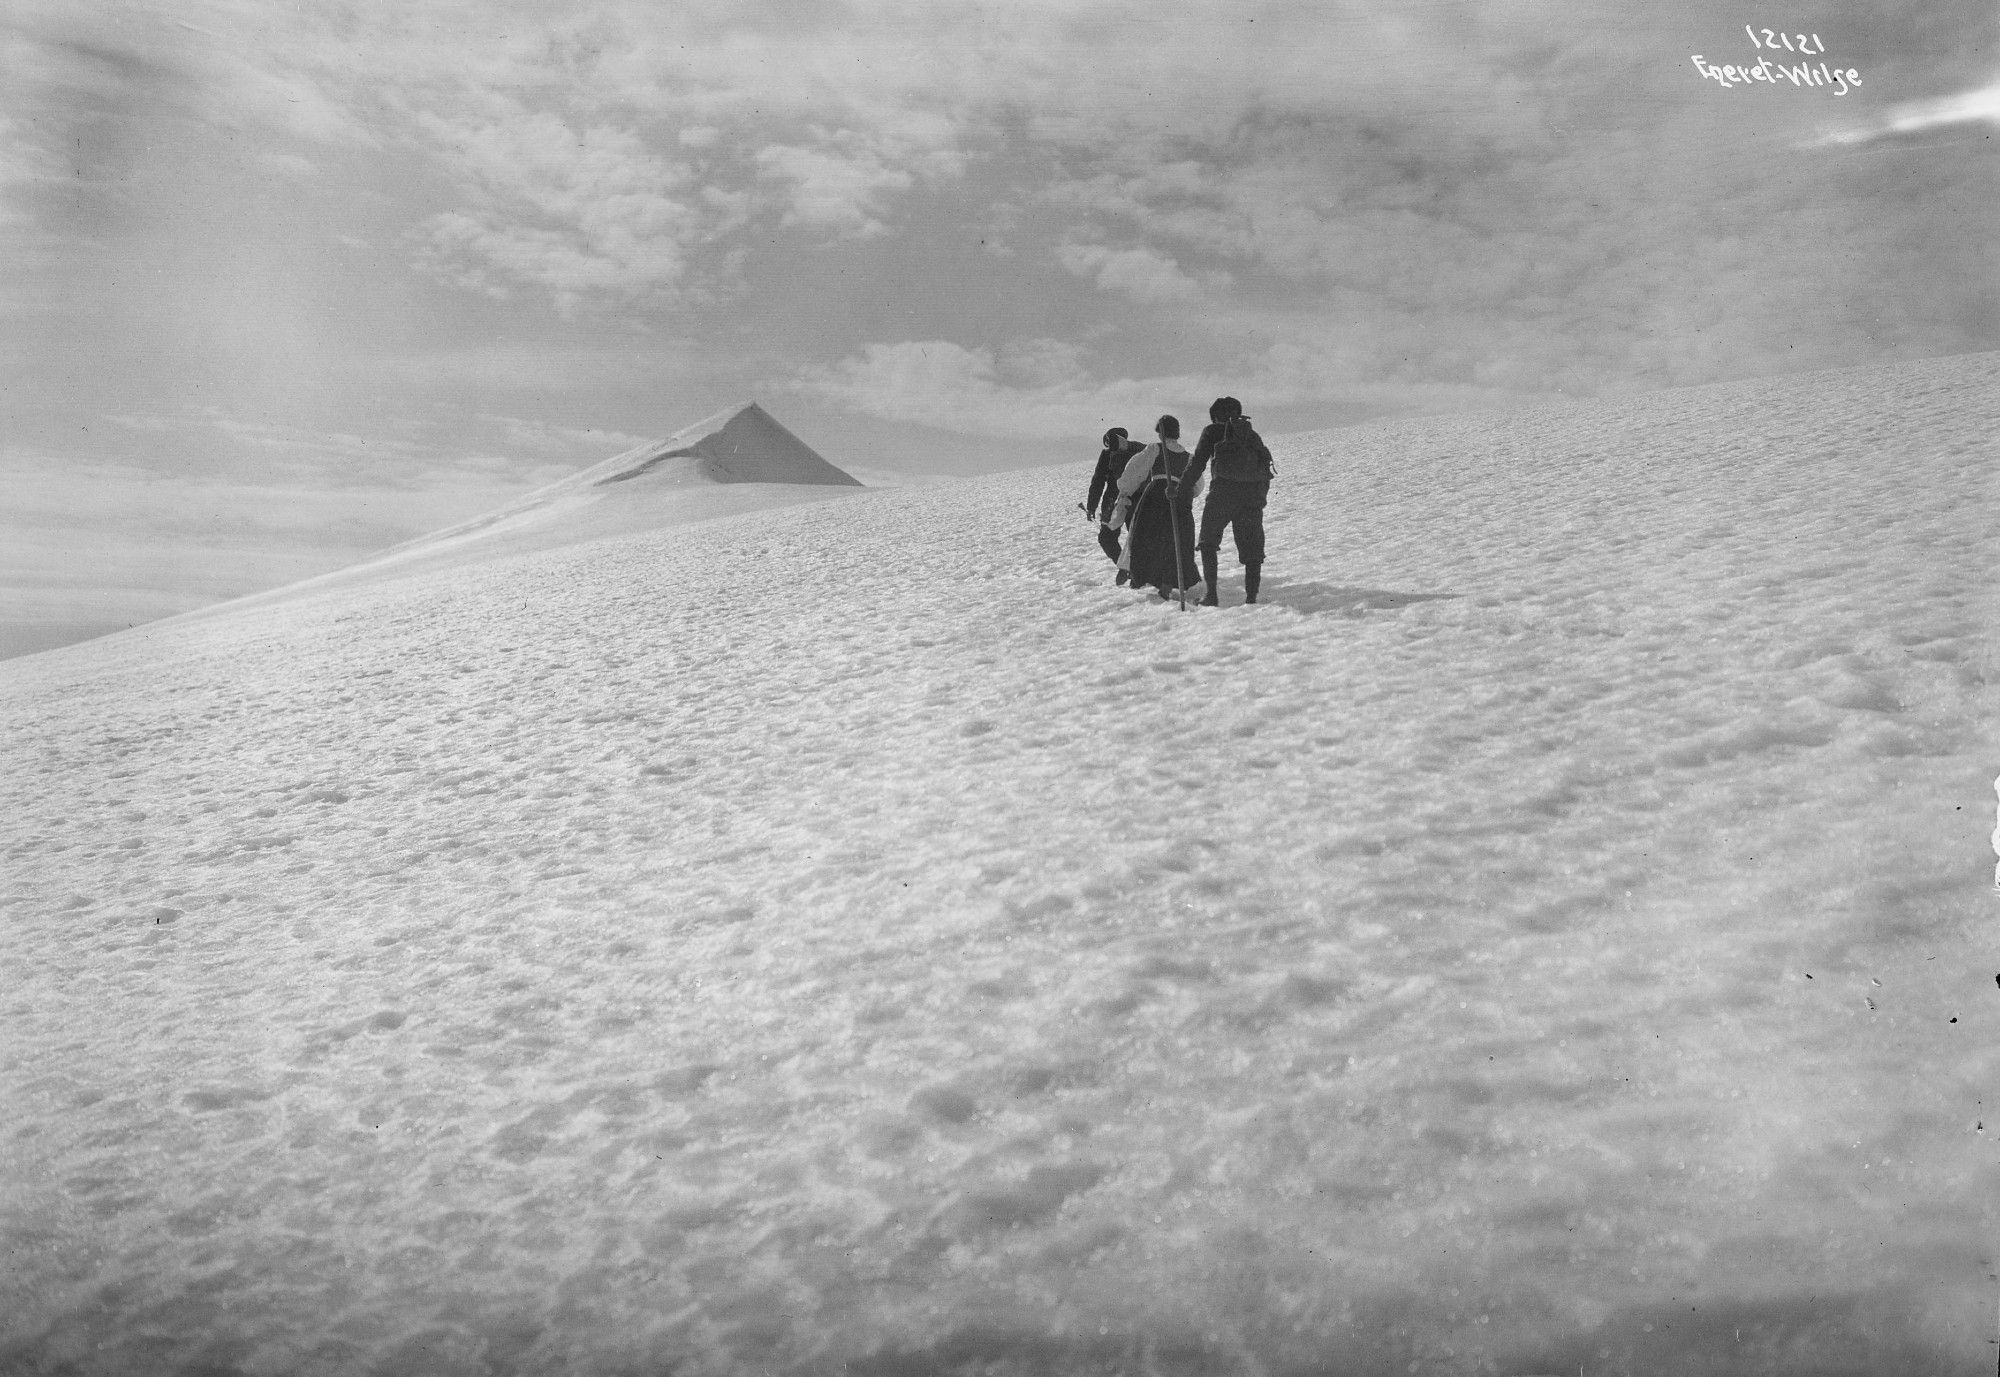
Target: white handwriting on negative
<point>1801,74</point>
<point>1808,43</point>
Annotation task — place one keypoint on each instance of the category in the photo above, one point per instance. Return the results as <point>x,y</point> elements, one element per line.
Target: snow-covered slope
<point>738,460</point>
<point>1552,934</point>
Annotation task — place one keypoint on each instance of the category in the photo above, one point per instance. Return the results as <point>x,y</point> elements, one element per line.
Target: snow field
<point>858,937</point>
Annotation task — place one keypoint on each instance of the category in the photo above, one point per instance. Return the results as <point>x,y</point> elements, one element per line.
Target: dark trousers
<point>1237,505</point>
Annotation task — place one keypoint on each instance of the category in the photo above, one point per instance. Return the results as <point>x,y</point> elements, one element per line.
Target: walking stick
<point>1174,520</point>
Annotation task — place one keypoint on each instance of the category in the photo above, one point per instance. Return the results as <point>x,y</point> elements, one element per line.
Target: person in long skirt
<point>1150,490</point>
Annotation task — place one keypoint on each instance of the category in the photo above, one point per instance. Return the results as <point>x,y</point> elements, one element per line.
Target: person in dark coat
<point>1104,493</point>
<point>1110,463</point>
<point>1152,490</point>
<point>1236,499</point>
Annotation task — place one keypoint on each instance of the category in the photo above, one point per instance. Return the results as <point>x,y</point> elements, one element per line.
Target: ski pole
<point>1174,520</point>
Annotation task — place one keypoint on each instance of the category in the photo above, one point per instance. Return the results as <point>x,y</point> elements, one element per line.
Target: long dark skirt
<point>1152,541</point>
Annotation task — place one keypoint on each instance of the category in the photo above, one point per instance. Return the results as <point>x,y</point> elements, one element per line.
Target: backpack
<point>1240,456</point>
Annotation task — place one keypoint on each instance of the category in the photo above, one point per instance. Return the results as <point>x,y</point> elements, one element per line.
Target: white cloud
<point>23,165</point>
<point>1913,117</point>
<point>1466,194</point>
<point>947,386</point>
<point>1041,389</point>
<point>1139,273</point>
<point>569,262</point>
<point>579,441</point>
<point>578,211</point>
<point>259,88</point>
<point>557,127</point>
<point>523,366</point>
<point>837,186</point>
<point>1042,362</point>
<point>288,164</point>
<point>235,70</point>
<point>568,135</point>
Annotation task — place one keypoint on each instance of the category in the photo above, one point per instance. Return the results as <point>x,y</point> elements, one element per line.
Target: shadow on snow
<point>1322,598</point>
<point>1841,1335</point>
<point>1382,1335</point>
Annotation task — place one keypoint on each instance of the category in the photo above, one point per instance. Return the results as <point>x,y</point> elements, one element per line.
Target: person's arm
<point>1192,481</point>
<point>1203,448</point>
<point>1137,469</point>
<point>1099,482</point>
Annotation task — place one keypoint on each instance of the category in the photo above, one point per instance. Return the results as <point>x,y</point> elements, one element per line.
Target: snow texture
<point>1551,934</point>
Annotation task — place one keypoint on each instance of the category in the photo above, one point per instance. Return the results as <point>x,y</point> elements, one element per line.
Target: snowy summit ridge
<point>738,460</point>
<point>742,444</point>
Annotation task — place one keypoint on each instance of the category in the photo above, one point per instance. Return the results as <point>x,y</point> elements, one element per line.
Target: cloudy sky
<point>288,282</point>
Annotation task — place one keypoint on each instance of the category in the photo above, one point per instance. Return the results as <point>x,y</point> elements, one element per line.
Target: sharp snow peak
<point>742,444</point>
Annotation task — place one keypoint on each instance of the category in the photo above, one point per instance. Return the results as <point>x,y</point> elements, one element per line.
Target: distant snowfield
<point>1553,933</point>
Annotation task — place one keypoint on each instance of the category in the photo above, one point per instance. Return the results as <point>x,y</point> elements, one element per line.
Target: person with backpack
<point>1243,473</point>
<point>1104,492</point>
<point>1160,547</point>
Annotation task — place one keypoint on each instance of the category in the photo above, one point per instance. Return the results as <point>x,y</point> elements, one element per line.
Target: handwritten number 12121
<point>1773,40</point>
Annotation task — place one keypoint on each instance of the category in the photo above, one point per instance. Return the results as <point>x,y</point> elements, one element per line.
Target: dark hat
<point>1222,408</point>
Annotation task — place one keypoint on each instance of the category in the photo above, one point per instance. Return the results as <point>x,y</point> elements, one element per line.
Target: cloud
<point>576,210</point>
<point>1447,199</point>
<point>491,256</point>
<point>1042,389</point>
<point>838,186</point>
<point>232,70</point>
<point>946,386</point>
<point>288,164</point>
<point>23,165</point>
<point>544,438</point>
<point>613,154</point>
<point>257,451</point>
<point>522,366</point>
<point>1140,273</point>
<point>1981,106</point>
<point>1042,362</point>
<point>106,542</point>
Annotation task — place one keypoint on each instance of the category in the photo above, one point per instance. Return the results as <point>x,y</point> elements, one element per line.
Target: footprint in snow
<point>1030,1200</point>
<point>944,1102</point>
<point>224,1097</point>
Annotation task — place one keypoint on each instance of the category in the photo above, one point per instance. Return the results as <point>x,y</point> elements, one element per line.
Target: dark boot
<point>1123,578</point>
<point>1208,598</point>
<point>1253,575</point>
